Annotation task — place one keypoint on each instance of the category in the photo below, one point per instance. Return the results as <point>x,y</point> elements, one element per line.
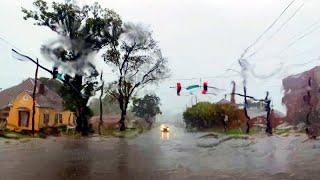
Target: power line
<point>278,30</point>
<point>9,43</point>
<point>266,30</point>
<point>296,38</point>
<point>223,75</point>
<point>300,38</point>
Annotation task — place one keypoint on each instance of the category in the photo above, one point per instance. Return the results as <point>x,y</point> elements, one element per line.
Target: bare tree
<point>137,61</point>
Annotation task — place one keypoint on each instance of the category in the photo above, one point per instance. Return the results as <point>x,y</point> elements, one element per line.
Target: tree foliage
<point>208,115</point>
<point>137,61</point>
<point>52,84</point>
<point>93,26</point>
<point>82,31</point>
<point>147,107</point>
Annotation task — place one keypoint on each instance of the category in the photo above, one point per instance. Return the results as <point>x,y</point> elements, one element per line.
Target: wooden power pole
<point>34,96</point>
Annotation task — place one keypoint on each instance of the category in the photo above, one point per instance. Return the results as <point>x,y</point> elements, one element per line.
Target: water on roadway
<point>156,155</point>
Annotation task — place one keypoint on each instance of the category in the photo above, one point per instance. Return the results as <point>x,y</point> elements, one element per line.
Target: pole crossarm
<point>251,97</point>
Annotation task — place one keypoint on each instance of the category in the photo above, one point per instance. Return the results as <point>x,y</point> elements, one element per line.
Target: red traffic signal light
<point>178,88</point>
<point>205,88</point>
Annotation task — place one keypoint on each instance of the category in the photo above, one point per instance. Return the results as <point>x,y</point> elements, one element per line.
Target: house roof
<point>48,99</point>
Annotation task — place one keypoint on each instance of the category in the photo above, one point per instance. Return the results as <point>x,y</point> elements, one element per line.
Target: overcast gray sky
<point>200,38</point>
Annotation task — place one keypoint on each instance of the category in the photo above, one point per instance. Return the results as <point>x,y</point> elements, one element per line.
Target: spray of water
<point>73,55</point>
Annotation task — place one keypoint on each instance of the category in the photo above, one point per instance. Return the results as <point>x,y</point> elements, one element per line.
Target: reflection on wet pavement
<point>158,155</point>
<point>165,135</point>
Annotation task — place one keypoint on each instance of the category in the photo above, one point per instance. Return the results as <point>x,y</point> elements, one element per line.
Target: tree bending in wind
<point>82,32</point>
<point>137,61</point>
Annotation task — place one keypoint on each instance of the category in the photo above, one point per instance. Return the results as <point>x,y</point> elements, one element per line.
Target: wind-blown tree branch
<point>82,31</point>
<point>137,61</point>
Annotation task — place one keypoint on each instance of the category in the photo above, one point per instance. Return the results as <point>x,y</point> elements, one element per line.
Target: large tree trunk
<point>121,122</point>
<point>123,103</point>
<point>79,121</point>
<point>82,122</point>
<point>82,119</point>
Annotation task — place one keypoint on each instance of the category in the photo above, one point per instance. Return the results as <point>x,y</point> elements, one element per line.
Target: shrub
<point>63,127</point>
<point>208,115</point>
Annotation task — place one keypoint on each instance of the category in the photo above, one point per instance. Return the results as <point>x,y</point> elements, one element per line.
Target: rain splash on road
<point>157,155</point>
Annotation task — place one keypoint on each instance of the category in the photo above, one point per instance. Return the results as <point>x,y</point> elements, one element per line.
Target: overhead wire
<point>300,38</point>
<point>222,75</point>
<point>278,30</point>
<point>9,43</point>
<point>266,30</point>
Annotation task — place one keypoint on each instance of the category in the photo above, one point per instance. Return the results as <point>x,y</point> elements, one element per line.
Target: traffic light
<point>178,88</point>
<point>54,73</point>
<point>205,88</point>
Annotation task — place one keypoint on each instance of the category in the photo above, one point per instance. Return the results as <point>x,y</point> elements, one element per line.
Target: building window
<point>24,118</point>
<point>46,119</point>
<point>58,118</point>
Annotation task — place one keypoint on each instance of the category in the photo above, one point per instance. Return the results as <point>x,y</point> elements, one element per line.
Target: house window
<point>46,119</point>
<point>58,118</point>
<point>24,118</point>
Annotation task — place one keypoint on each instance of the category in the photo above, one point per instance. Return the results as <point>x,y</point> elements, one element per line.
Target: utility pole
<point>100,100</point>
<point>245,109</point>
<point>267,102</point>
<point>268,109</point>
<point>34,95</point>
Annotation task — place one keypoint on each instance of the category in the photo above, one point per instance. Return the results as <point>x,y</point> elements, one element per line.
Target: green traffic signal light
<point>60,76</point>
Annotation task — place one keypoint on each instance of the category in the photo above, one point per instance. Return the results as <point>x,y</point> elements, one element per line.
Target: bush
<point>49,131</point>
<point>208,115</point>
<point>63,128</point>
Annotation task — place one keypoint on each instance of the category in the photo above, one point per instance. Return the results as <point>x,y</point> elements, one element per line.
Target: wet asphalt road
<point>156,155</point>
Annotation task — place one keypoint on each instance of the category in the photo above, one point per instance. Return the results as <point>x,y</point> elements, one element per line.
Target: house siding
<point>24,100</point>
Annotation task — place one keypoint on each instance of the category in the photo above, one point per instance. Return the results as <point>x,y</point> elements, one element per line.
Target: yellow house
<point>16,107</point>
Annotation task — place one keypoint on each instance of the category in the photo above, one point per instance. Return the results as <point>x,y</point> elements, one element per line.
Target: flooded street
<point>156,155</point>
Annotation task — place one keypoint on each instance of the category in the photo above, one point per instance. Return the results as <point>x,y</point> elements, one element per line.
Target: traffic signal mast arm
<point>212,87</point>
<point>51,72</point>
